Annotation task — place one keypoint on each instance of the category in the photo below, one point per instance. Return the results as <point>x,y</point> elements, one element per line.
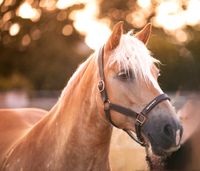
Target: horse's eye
<point>125,75</point>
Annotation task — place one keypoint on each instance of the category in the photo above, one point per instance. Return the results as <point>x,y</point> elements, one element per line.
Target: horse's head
<point>131,81</point>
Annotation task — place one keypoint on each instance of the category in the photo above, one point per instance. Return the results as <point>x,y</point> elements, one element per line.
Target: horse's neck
<point>78,111</point>
<point>73,132</point>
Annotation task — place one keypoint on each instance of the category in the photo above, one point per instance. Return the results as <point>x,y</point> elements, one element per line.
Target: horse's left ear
<point>144,34</point>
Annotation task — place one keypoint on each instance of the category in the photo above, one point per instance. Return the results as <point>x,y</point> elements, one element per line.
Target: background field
<point>43,41</point>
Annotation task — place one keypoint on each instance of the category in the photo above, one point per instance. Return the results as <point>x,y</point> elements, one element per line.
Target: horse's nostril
<point>168,131</point>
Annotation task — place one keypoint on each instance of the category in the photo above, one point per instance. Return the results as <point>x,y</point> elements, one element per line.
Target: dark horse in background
<point>188,156</point>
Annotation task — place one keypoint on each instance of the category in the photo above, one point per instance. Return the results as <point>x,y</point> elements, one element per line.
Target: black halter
<point>140,117</point>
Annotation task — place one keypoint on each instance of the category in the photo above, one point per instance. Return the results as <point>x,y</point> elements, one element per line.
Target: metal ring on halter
<point>101,86</point>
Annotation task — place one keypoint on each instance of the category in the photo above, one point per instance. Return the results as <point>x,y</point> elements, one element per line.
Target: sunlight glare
<point>171,16</point>
<point>1,1</point>
<point>27,12</point>
<point>144,3</point>
<point>170,22</point>
<point>62,4</point>
<point>14,29</point>
<point>86,22</point>
<point>98,34</point>
<point>192,14</point>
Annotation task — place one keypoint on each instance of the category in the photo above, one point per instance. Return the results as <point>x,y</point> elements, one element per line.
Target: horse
<point>116,86</point>
<point>188,156</point>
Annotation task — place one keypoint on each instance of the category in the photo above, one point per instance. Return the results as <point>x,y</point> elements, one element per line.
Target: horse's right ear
<point>115,37</point>
<point>144,34</point>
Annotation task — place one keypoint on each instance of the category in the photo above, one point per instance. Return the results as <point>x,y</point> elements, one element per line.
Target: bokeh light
<point>7,16</point>
<point>67,30</point>
<point>181,36</point>
<point>87,23</point>
<point>14,29</point>
<point>144,3</point>
<point>62,4</point>
<point>27,12</point>
<point>48,5</point>
<point>62,15</point>
<point>173,16</point>
<point>26,40</point>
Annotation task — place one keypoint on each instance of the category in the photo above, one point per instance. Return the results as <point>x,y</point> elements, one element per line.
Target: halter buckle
<point>140,119</point>
<point>101,86</point>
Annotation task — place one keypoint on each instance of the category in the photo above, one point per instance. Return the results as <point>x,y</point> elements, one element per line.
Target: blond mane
<point>76,77</point>
<point>130,54</point>
<point>133,54</point>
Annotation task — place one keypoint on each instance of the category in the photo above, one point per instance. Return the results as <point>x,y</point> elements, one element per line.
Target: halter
<point>140,118</point>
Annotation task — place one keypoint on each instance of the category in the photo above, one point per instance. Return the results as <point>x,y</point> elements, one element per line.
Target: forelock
<point>133,54</point>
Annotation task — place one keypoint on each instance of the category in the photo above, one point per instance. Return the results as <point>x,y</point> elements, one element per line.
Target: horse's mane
<point>133,54</point>
<point>76,77</point>
<point>130,54</point>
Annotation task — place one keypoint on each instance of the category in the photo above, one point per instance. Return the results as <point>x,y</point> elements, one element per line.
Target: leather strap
<point>145,111</point>
<point>101,84</point>
<point>155,102</point>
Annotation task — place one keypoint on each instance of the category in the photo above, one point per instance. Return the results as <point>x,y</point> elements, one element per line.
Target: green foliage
<point>49,61</point>
<point>16,82</point>
<point>180,64</point>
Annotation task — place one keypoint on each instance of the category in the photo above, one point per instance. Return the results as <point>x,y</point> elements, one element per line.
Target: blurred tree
<point>42,52</point>
<point>43,41</point>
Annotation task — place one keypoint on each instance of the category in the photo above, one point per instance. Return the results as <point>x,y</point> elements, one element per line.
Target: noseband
<point>140,118</point>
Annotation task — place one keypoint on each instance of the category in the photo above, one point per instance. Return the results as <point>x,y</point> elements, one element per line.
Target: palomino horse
<point>76,132</point>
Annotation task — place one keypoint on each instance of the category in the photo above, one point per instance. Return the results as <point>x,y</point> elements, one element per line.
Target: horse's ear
<point>144,34</point>
<point>115,37</point>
